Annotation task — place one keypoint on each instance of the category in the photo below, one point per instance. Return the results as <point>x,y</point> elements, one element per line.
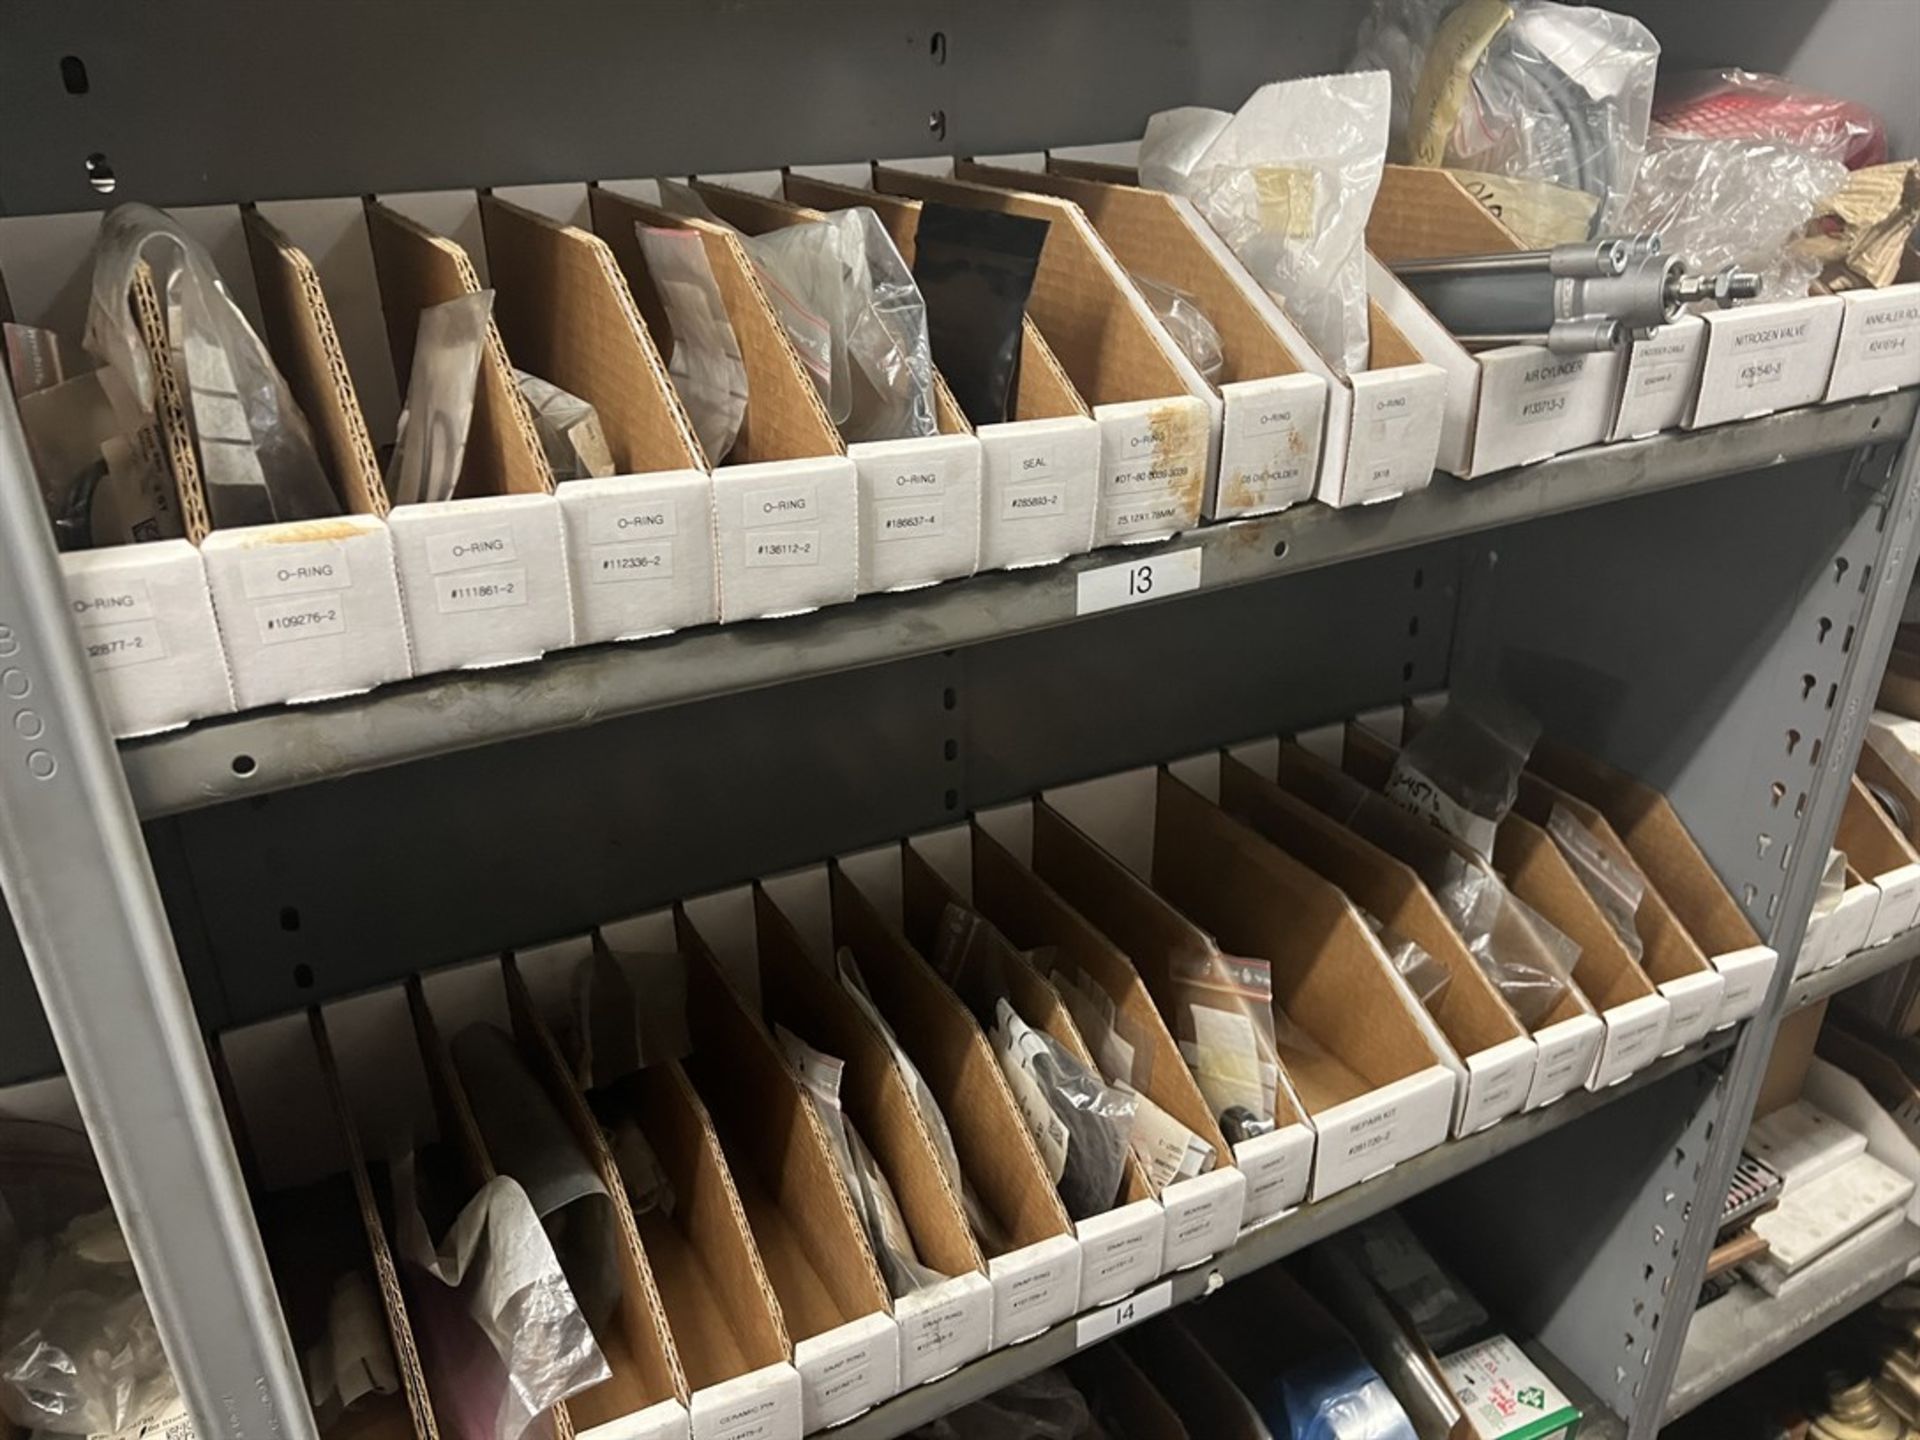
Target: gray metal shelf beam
<point>1859,966</point>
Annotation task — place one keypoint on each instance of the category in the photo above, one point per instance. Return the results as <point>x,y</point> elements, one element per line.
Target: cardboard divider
<point>835,1306</point>
<point>1376,1091</point>
<point>1883,855</point>
<point>1032,863</point>
<point>720,1305</point>
<point>647,1391</point>
<point>1153,427</point>
<point>786,498</point>
<point>1040,470</point>
<point>1775,355</point>
<point>1568,1036</point>
<point>1658,839</point>
<point>483,574</point>
<point>1035,1262</point>
<point>640,541</point>
<point>1677,966</point>
<point>1122,1247</point>
<point>1506,406</point>
<point>1497,1055</point>
<point>1122,1398</point>
<point>1190,1376</point>
<point>1878,349</point>
<point>964,865</point>
<point>1267,409</point>
<point>942,1325</point>
<point>919,496</point>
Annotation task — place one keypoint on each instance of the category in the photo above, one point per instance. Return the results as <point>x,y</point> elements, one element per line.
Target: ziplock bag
<point>706,368</point>
<point>1738,104</point>
<point>1336,1395</point>
<point>257,458</point>
<point>528,1140</point>
<point>1616,888</point>
<point>867,1186</point>
<point>495,1313</point>
<point>975,270</point>
<point>1044,1406</point>
<point>1288,182</point>
<point>1187,323</point>
<point>1425,976</point>
<point>1496,926</point>
<point>1223,1008</point>
<point>569,429</point>
<point>629,1013</point>
<point>1461,770</point>
<point>425,465</point>
<point>1543,94</point>
<point>1079,1123</point>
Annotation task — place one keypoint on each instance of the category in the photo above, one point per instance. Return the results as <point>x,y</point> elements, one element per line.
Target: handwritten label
<point>1098,1325</point>
<point>1112,586</point>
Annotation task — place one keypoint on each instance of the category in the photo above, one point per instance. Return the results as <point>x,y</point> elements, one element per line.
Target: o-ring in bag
<point>706,368</point>
<point>1187,323</point>
<point>1079,1123</point>
<point>1527,959</point>
<point>1616,887</point>
<point>1425,976</point>
<point>438,415</point>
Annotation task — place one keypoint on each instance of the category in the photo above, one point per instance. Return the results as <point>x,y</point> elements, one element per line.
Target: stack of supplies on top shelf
<point>1832,1192</point>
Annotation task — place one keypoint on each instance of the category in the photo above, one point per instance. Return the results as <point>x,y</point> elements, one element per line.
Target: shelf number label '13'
<point>1112,586</point>
<point>1097,1325</point>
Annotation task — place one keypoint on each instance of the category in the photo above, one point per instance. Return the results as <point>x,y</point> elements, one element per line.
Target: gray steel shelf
<point>1276,1241</point>
<point>1859,966</point>
<point>271,750</point>
<point>1747,1329</point>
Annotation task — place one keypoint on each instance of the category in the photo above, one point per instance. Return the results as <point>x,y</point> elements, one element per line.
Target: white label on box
<point>846,1370</point>
<point>310,568</point>
<point>481,590</point>
<point>782,548</point>
<point>761,1405</point>
<point>1120,1250</point>
<point>1148,457</point>
<point>1567,1051</point>
<point>1134,517</point>
<point>1635,1031</point>
<point>1661,374</point>
<point>781,505</point>
<point>908,519</point>
<point>1278,1167</point>
<point>943,1326</point>
<point>1879,342</point>
<point>634,560</point>
<point>1398,414</point>
<point>127,600</point>
<point>1767,357</point>
<point>300,618</point>
<point>1497,1081</point>
<point>921,482</point>
<point>1271,442</point>
<point>1032,502</point>
<point>641,520</point>
<point>476,549</point>
<point>1036,460</point>
<point>113,647</point>
<point>1091,1329</point>
<point>1203,1216</point>
<point>1112,586</point>
<point>1693,1003</point>
<point>1544,393</point>
<point>1034,1288</point>
<point>1747,973</point>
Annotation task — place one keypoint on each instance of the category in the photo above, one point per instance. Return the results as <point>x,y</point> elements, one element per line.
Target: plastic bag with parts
<point>1288,182</point>
<point>438,416</point>
<point>1079,1122</point>
<point>1461,770</point>
<point>1187,323</point>
<point>1614,882</point>
<point>1425,976</point>
<point>706,367</point>
<point>1529,961</point>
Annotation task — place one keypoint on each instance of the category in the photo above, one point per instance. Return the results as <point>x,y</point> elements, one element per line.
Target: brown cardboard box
<point>785,496</point>
<point>1793,1046</point>
<point>1153,427</point>
<point>1496,1053</point>
<point>1878,851</point>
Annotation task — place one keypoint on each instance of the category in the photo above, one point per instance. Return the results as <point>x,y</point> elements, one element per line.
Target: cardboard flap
<point>997,1155</point>
<point>785,419</point>
<point>1419,213</point>
<point>1080,296</point>
<point>171,441</point>
<point>1188,1374</point>
<point>1540,875</point>
<point>1471,1013</point>
<point>306,347</point>
<point>802,1219</point>
<point>566,312</point>
<point>798,996</point>
<point>1868,836</point>
<point>417,269</point>
<point>457,1125</point>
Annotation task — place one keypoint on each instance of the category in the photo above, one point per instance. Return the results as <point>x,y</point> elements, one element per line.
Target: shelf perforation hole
<point>73,75</point>
<point>100,173</point>
<point>1813,755</point>
<point>1786,857</point>
<point>1765,844</point>
<point>1866,578</point>
<point>1779,791</point>
<point>1793,741</point>
<point>289,919</point>
<point>303,977</point>
<point>1807,682</point>
<point>1833,694</point>
<point>1825,626</point>
<point>1800,805</point>
<point>244,765</point>
<point>1840,567</point>
<point>1846,641</point>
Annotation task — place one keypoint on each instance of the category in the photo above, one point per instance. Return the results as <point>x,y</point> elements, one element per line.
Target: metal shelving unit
<point>1679,606</point>
<point>1860,966</point>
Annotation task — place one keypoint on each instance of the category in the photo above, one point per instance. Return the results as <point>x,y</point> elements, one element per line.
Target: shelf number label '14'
<point>1112,586</point>
<point>1097,1325</point>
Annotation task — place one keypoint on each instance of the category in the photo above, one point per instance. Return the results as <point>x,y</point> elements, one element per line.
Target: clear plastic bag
<point>706,368</point>
<point>1547,94</point>
<point>1288,182</point>
<point>1043,1406</point>
<point>1615,884</point>
<point>1529,961</point>
<point>569,429</point>
<point>1833,885</point>
<point>1461,770</point>
<point>1727,202</point>
<point>1079,1122</point>
<point>438,416</point>
<point>1425,976</point>
<point>1187,323</point>
<point>1337,1396</point>
<point>1741,105</point>
<point>1166,1149</point>
<point>257,457</point>
<point>1224,1022</point>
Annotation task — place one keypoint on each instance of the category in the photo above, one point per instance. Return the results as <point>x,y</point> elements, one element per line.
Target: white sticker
<point>932,480</point>
<point>1038,461</point>
<point>616,564</point>
<point>112,647</point>
<point>317,567</point>
<point>1661,365</point>
<point>614,525</point>
<point>131,601</point>
<point>783,547</point>
<point>1762,365</point>
<point>300,618</point>
<point>1110,1320</point>
<point>471,550</point>
<point>1112,586</point>
<point>786,505</point>
<point>1544,391</point>
<point>908,519</point>
<point>1144,458</point>
<point>1032,502</point>
<point>482,590</point>
<point>1166,512</point>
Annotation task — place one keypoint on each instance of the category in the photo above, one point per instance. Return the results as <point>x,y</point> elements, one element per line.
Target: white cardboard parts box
<point>1879,345</point>
<point>1507,406</point>
<point>786,497</point>
<point>1662,375</point>
<point>1766,357</point>
<point>1883,855</point>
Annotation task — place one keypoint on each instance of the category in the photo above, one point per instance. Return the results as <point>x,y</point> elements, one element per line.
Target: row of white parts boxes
<point>1126,878</point>
<point>1106,446</point>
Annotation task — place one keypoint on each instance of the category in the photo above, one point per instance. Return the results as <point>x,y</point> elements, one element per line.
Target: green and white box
<point>1504,1395</point>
